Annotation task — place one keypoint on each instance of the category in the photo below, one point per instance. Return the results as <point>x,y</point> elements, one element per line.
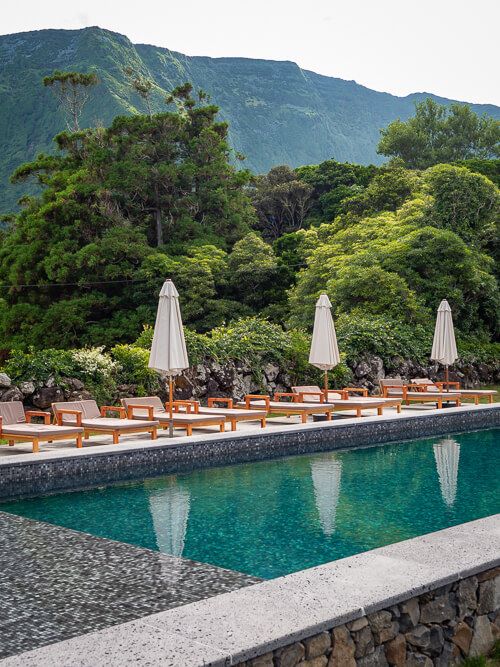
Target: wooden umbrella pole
<point>171,407</point>
<point>326,386</point>
<point>446,377</point>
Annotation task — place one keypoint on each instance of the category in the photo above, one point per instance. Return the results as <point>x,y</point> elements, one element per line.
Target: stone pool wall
<point>438,628</point>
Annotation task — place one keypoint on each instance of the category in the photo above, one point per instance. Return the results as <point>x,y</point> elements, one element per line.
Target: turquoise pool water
<point>274,517</point>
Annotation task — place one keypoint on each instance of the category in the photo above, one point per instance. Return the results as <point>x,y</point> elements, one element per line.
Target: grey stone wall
<point>238,378</point>
<point>436,629</point>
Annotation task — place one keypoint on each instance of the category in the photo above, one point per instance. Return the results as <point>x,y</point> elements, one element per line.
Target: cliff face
<point>278,113</point>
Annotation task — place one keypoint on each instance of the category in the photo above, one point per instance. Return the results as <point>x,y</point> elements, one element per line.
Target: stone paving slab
<point>239,625</point>
<point>57,583</point>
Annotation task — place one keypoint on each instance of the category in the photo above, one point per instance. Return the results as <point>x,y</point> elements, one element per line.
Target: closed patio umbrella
<point>324,353</point>
<point>168,350</point>
<point>444,347</point>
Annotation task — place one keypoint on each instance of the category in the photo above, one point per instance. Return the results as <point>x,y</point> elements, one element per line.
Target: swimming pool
<point>275,517</point>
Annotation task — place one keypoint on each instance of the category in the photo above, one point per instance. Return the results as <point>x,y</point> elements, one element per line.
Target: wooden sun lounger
<point>444,388</point>
<point>304,410</point>
<point>183,414</point>
<point>16,426</point>
<point>412,393</point>
<point>341,400</point>
<point>94,421</point>
<point>233,415</point>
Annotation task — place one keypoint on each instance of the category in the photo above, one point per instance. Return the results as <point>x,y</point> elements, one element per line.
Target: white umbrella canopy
<point>444,347</point>
<point>168,349</point>
<point>324,353</point>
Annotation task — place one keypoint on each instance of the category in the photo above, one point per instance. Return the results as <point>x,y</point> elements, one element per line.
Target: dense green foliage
<point>156,196</point>
<point>428,242</point>
<point>115,194</point>
<point>278,112</point>
<point>437,134</point>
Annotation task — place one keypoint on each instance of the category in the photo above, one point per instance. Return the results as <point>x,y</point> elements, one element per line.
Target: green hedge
<point>252,340</point>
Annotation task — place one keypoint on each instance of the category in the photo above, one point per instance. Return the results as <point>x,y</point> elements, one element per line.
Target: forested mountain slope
<point>278,113</point>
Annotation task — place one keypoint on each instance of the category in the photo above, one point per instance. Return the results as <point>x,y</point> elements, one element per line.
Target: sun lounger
<point>183,413</point>
<point>341,400</point>
<point>414,393</point>
<point>233,415</point>
<point>278,406</point>
<point>16,426</point>
<point>93,420</point>
<point>454,387</point>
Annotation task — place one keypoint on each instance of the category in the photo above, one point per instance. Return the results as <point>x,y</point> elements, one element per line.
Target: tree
<point>141,85</point>
<point>385,192</point>
<point>281,201</point>
<point>440,134</point>
<point>72,89</point>
<point>465,203</point>
<point>332,183</point>
<point>253,267</point>
<point>107,200</point>
<point>395,265</point>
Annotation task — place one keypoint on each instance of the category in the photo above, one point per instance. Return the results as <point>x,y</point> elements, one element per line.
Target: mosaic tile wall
<point>24,479</point>
<point>57,583</point>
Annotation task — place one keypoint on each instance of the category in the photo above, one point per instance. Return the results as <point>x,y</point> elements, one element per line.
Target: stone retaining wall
<point>438,628</point>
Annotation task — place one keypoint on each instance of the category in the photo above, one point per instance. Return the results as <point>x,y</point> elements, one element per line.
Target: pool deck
<point>21,452</point>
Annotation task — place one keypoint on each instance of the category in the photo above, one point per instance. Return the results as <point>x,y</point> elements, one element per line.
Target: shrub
<point>384,337</point>
<point>38,366</point>
<point>92,364</point>
<point>132,368</point>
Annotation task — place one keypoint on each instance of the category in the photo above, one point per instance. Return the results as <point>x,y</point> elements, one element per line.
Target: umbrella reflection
<point>326,474</point>
<point>447,455</point>
<point>170,511</point>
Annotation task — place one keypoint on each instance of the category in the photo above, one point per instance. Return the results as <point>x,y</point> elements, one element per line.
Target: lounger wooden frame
<point>455,388</point>
<point>344,394</point>
<point>165,421</point>
<point>233,419</point>
<point>36,440</point>
<point>115,431</point>
<point>408,396</point>
<point>287,407</point>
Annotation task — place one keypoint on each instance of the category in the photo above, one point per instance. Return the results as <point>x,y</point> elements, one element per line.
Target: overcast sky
<point>447,47</point>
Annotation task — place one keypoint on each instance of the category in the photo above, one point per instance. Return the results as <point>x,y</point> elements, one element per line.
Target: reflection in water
<point>169,508</point>
<point>447,454</point>
<point>326,473</point>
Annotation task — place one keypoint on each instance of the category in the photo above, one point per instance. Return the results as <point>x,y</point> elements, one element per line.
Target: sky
<point>446,47</point>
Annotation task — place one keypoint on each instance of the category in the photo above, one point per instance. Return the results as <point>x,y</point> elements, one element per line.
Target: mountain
<point>278,113</point>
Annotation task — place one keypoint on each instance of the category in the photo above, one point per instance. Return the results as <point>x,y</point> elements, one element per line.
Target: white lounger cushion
<point>232,412</point>
<point>161,414</point>
<point>40,430</point>
<point>91,417</point>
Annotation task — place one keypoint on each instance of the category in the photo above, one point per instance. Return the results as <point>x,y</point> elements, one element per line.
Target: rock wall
<point>436,629</point>
<point>239,378</point>
<point>370,369</point>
